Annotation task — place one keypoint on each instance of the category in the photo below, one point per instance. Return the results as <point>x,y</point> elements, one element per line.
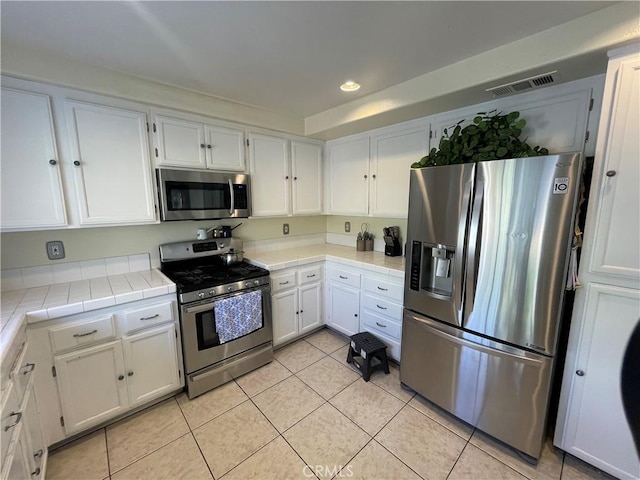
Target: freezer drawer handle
<point>580,373</point>
<point>76,335</point>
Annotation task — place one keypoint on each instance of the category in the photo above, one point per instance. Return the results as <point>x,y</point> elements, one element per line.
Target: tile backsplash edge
<point>30,277</point>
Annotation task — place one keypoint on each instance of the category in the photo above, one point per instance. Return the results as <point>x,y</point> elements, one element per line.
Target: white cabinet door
<point>31,187</point>
<point>310,307</point>
<point>284,306</point>
<point>391,157</point>
<point>343,305</point>
<point>151,364</point>
<point>348,180</point>
<point>36,448</point>
<point>179,143</point>
<point>225,148</point>
<point>16,465</point>
<point>616,248</point>
<point>596,429</point>
<point>112,170</point>
<point>92,385</point>
<point>270,176</point>
<point>306,168</point>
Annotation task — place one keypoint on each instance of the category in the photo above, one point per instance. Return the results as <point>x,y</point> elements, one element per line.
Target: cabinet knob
<point>208,146</point>
<point>355,314</point>
<point>580,373</point>
<point>373,176</point>
<point>297,313</point>
<point>301,311</point>
<point>365,176</point>
<point>611,173</point>
<point>36,472</point>
<point>295,178</point>
<point>76,163</point>
<point>287,177</point>
<point>130,374</point>
<point>202,145</point>
<point>121,377</point>
<point>38,454</point>
<point>52,162</point>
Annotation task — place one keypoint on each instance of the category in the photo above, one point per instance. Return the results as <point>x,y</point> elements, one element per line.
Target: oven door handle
<point>233,200</point>
<point>199,308</point>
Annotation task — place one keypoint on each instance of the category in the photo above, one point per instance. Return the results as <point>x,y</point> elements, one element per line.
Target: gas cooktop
<point>191,277</point>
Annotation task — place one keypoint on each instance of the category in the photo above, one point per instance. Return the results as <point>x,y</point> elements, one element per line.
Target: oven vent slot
<point>525,84</point>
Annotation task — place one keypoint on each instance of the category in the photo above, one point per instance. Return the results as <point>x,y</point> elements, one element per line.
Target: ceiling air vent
<point>525,84</point>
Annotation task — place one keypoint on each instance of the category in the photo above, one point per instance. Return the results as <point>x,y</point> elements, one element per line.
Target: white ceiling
<point>288,57</point>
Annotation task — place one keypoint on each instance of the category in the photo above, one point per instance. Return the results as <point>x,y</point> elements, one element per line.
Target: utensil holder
<point>360,245</point>
<point>368,245</point>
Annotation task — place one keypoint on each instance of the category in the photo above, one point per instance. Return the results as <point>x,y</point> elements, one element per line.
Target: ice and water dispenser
<point>432,268</point>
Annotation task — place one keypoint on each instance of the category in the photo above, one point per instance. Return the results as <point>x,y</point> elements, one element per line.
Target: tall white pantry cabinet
<point>591,421</point>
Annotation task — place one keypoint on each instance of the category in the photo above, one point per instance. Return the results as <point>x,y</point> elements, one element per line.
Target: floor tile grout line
<point>297,453</point>
<point>106,444</point>
<point>201,453</point>
<point>354,456</point>
<point>396,457</point>
<point>457,459</point>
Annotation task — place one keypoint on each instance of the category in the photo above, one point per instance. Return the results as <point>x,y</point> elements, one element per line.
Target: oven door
<point>225,326</point>
<point>197,195</point>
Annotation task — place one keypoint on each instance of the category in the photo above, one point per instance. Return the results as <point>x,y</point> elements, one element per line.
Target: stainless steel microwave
<point>202,195</point>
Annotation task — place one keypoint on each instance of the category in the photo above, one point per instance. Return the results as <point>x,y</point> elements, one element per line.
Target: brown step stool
<point>372,351</point>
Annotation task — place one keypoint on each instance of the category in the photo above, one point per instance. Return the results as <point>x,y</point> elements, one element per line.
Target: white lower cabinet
<point>91,384</point>
<point>359,300</point>
<point>296,302</point>
<point>24,453</point>
<point>99,365</point>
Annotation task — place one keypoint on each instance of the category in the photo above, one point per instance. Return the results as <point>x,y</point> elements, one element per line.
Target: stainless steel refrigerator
<point>488,247</point>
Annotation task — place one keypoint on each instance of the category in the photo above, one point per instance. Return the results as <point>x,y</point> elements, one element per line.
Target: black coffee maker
<point>392,247</point>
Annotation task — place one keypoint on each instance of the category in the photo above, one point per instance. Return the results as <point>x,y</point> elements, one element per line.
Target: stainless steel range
<point>225,311</point>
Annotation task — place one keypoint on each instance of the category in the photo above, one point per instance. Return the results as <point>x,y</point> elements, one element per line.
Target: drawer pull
<point>383,289</point>
<point>28,368</point>
<point>18,416</point>
<point>381,308</point>
<point>151,317</point>
<point>129,374</point>
<point>344,278</point>
<point>38,454</point>
<point>381,325</point>
<point>283,283</point>
<point>85,334</point>
<point>311,276</point>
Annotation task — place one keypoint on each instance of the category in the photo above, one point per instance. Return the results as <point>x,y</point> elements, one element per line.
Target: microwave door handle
<point>233,200</point>
<point>462,236</point>
<point>473,248</point>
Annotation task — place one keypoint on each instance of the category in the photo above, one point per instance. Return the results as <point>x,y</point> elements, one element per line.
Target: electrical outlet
<point>347,227</point>
<point>285,229</point>
<point>55,250</point>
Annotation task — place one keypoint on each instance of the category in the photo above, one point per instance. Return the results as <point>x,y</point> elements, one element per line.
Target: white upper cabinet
<point>556,118</point>
<point>270,175</point>
<point>306,184</point>
<point>31,182</point>
<point>111,164</point>
<point>617,234</point>
<point>392,154</point>
<point>286,176</point>
<point>189,141</point>
<point>348,177</point>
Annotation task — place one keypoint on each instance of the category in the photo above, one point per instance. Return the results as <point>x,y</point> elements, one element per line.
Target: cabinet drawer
<point>344,278</point>
<point>384,288</point>
<point>379,323</point>
<point>393,345</point>
<point>382,307</point>
<point>283,282</point>
<point>148,316</point>
<point>310,275</point>
<point>75,335</point>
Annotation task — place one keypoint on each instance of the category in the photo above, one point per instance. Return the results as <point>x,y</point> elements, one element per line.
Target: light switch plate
<point>55,250</point>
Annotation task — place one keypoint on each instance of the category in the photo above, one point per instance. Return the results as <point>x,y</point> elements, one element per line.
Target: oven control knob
<point>212,292</point>
<point>200,294</point>
<point>229,288</point>
<point>256,282</point>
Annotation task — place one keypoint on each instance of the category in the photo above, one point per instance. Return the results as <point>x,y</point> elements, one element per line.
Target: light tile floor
<point>307,414</point>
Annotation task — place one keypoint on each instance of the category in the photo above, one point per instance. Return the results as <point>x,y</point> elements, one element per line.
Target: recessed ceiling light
<point>349,86</point>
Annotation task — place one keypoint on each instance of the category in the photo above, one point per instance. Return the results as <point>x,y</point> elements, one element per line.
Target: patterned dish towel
<point>238,316</point>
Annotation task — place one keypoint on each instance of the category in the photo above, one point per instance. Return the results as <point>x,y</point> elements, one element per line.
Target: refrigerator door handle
<point>462,236</point>
<point>473,247</point>
<point>495,348</point>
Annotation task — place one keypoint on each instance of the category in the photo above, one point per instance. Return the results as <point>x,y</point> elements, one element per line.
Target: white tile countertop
<point>293,257</point>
